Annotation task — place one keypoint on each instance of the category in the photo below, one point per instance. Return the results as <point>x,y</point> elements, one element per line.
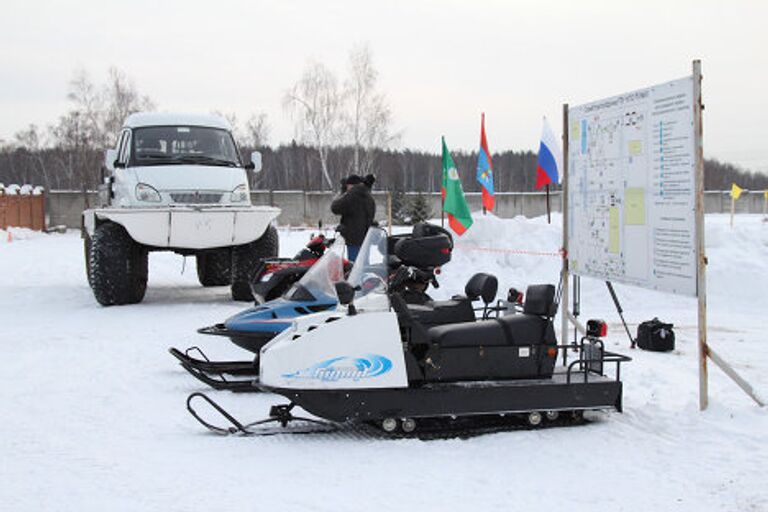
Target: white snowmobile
<point>379,361</point>
<point>420,255</point>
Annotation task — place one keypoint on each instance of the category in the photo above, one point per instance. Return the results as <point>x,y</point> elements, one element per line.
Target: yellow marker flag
<point>736,191</point>
<point>765,194</point>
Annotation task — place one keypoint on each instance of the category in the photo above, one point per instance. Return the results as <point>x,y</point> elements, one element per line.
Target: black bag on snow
<point>655,335</point>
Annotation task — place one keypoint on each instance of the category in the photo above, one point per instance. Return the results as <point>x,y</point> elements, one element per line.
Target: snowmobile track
<point>428,429</point>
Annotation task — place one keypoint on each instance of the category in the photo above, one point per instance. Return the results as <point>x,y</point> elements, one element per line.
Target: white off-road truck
<point>175,183</point>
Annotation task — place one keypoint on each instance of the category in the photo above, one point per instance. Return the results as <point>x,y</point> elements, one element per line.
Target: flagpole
<point>733,208</point>
<point>442,184</point>
<point>549,219</point>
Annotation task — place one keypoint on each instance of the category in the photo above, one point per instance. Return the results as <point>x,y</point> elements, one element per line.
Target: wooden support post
<point>701,257</point>
<point>701,274</point>
<point>442,211</point>
<point>733,208</point>
<point>389,213</point>
<point>729,371</point>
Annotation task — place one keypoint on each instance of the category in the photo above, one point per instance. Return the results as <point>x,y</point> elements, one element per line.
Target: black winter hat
<point>354,179</point>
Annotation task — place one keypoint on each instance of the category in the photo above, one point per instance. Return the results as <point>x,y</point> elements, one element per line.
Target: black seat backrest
<point>540,300</point>
<point>483,286</point>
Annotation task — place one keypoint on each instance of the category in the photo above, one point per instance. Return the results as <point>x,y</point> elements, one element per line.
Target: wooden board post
<point>701,257</point>
<point>733,208</point>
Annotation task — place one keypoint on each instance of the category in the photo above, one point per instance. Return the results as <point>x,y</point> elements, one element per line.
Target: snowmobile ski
<point>278,414</point>
<point>236,368</point>
<point>219,382</point>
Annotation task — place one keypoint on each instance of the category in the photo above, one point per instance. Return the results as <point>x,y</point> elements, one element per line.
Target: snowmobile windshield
<point>318,283</point>
<point>371,270</point>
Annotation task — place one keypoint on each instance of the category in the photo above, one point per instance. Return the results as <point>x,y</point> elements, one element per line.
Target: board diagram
<point>631,188</point>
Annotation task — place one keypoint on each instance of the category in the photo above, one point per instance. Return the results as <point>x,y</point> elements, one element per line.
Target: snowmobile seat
<point>511,330</point>
<point>443,312</point>
<point>527,328</point>
<point>459,308</point>
<point>510,347</point>
<point>468,334</point>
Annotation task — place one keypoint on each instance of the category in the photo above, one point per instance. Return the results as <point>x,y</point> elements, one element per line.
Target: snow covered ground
<point>94,417</point>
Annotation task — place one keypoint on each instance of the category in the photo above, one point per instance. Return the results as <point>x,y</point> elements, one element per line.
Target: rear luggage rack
<point>592,359</point>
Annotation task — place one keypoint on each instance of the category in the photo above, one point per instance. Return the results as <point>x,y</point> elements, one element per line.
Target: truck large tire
<point>246,258</point>
<point>117,266</point>
<point>87,254</point>
<point>214,268</point>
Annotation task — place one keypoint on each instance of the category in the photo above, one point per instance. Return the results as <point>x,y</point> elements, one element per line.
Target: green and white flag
<point>454,204</point>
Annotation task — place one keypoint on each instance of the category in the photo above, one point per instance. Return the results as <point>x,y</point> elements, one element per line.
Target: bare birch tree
<point>94,120</point>
<point>369,117</point>
<point>32,142</point>
<point>315,103</point>
<point>257,131</point>
<point>120,99</point>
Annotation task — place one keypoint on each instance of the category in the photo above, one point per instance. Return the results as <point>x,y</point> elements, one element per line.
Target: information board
<point>631,188</point>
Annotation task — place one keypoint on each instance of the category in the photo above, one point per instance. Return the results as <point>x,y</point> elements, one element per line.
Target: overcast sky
<point>441,63</point>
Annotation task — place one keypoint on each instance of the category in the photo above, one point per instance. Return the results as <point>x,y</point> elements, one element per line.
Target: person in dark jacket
<point>357,209</point>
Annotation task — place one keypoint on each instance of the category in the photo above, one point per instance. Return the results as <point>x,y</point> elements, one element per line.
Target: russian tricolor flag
<point>485,169</point>
<point>549,158</point>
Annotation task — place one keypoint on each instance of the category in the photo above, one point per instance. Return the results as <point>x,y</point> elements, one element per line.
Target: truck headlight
<point>240,194</point>
<point>147,193</point>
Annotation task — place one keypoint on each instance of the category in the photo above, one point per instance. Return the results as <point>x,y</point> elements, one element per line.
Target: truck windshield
<point>168,145</point>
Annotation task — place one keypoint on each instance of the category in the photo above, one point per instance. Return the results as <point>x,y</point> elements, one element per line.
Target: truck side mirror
<point>255,164</point>
<point>110,156</point>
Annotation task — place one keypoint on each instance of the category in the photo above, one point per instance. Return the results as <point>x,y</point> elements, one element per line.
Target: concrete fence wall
<point>308,208</point>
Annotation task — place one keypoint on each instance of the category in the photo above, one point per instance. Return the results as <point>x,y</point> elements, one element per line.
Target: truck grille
<point>196,197</point>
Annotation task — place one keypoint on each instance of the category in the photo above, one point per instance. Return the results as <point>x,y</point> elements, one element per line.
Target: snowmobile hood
<point>274,316</point>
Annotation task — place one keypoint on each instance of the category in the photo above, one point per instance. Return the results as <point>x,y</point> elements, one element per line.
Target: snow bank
<point>19,234</point>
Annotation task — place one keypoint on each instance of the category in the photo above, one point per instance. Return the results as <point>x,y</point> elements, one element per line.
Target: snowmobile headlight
<point>240,194</point>
<point>147,193</point>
